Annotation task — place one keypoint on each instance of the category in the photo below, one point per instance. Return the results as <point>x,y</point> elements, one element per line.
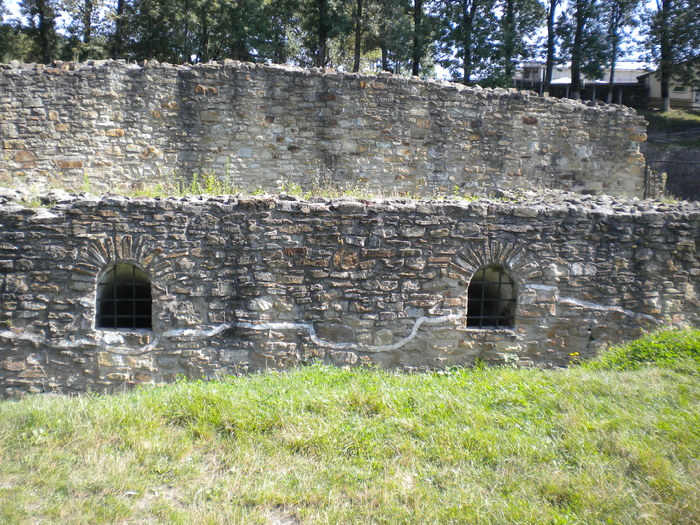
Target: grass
<point>677,349</point>
<point>210,184</point>
<point>592,444</point>
<point>672,121</point>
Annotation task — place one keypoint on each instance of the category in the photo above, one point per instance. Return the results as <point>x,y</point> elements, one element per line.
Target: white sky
<point>12,7</point>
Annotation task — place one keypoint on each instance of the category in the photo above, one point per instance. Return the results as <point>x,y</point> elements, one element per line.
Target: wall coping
<point>528,204</point>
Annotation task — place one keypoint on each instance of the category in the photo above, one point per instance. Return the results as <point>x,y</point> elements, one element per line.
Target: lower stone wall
<point>251,283</point>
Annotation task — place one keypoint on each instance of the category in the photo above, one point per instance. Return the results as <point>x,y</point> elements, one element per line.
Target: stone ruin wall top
<point>110,124</point>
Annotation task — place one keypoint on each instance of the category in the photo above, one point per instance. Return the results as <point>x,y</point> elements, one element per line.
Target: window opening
<point>123,298</point>
<point>491,299</point>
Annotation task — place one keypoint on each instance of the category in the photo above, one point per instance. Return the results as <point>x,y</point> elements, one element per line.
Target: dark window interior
<point>491,299</point>
<point>123,298</point>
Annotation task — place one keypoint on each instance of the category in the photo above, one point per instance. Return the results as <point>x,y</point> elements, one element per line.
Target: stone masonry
<point>112,125</point>
<point>250,283</point>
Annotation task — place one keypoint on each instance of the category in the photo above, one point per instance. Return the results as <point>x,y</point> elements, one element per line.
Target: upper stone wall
<point>111,124</point>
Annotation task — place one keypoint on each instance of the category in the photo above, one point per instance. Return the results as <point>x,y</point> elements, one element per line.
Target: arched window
<point>491,299</point>
<point>123,298</point>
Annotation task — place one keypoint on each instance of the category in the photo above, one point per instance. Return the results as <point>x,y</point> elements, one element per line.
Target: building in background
<point>686,97</point>
<point>627,88</point>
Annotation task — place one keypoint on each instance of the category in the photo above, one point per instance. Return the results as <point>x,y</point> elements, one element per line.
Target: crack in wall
<point>572,301</point>
<point>105,341</point>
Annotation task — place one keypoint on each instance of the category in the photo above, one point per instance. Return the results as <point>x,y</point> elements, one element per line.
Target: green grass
<point>327,445</point>
<point>672,121</point>
<point>676,349</point>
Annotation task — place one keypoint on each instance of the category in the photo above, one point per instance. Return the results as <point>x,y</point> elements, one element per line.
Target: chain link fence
<point>680,177</point>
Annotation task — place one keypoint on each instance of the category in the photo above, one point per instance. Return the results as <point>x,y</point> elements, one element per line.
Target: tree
<point>119,29</point>
<point>552,6</point>
<point>673,39</point>
<point>357,16</point>
<point>520,19</point>
<point>418,36</point>
<point>41,15</point>
<point>153,29</point>
<point>389,28</point>
<point>86,27</point>
<point>261,31</point>
<point>466,40</point>
<point>279,37</point>
<point>583,41</point>
<point>321,21</point>
<point>620,15</point>
<point>15,44</point>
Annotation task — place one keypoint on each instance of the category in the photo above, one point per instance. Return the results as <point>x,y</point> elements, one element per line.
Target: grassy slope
<point>672,121</point>
<point>325,445</point>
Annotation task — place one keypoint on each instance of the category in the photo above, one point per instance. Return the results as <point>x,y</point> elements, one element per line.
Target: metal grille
<point>123,298</point>
<point>491,299</point>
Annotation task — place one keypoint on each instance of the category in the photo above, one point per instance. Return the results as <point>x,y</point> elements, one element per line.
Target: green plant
<point>670,348</point>
<point>294,189</point>
<point>86,186</point>
<point>35,202</point>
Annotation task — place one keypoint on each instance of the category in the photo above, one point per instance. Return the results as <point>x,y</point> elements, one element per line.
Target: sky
<point>12,7</point>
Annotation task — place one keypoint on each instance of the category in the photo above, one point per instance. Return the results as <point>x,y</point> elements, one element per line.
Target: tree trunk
<point>44,34</point>
<point>469,8</point>
<point>576,51</point>
<point>385,57</point>
<point>417,36</point>
<point>150,54</point>
<point>358,36</point>
<point>118,30</point>
<point>551,15</point>
<point>87,22</point>
<point>665,55</point>
<point>322,51</point>
<point>204,36</point>
<point>615,21</point>
<point>509,39</point>
<point>611,82</point>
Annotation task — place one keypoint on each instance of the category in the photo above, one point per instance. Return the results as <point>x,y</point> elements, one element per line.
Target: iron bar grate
<point>123,298</point>
<point>491,299</point>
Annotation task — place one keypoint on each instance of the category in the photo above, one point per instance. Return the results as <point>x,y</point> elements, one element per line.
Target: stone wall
<point>251,283</point>
<point>104,125</point>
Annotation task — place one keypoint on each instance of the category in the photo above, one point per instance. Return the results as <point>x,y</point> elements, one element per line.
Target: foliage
<point>87,28</point>
<point>673,348</point>
<point>327,445</point>
<point>672,34</point>
<point>389,31</point>
<point>42,16</point>
<point>520,20</point>
<point>620,18</point>
<point>583,40</point>
<point>467,30</point>
<point>15,43</point>
<point>474,40</point>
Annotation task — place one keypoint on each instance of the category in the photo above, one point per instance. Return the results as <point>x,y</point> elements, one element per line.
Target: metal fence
<point>679,178</point>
